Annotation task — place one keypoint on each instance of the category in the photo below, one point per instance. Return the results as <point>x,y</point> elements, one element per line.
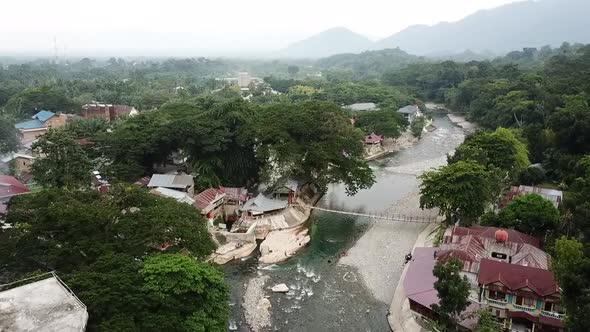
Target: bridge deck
<point>384,216</point>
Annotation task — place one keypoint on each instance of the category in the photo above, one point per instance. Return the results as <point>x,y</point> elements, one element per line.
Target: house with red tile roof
<point>9,187</point>
<point>236,196</point>
<point>525,298</point>
<point>553,195</point>
<point>471,245</point>
<point>419,288</point>
<point>490,233</point>
<point>210,202</point>
<point>373,139</point>
<point>507,270</point>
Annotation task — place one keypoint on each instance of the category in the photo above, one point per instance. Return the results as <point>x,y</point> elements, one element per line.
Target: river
<point>326,295</point>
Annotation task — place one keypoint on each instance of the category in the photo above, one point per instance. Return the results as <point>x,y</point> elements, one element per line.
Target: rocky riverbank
<point>391,145</point>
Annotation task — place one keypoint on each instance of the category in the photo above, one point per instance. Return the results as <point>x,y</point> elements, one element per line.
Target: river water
<point>325,295</point>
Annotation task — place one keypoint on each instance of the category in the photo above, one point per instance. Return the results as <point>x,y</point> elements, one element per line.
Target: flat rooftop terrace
<point>45,305</point>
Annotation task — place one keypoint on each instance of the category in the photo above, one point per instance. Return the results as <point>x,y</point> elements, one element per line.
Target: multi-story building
<point>473,244</point>
<point>107,112</point>
<point>523,298</point>
<point>508,273</point>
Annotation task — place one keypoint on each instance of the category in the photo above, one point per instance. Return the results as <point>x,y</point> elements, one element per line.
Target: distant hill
<point>329,42</point>
<point>499,30</point>
<point>369,61</point>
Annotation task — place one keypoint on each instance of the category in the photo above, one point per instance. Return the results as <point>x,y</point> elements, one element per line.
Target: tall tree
<point>101,244</point>
<point>531,214</point>
<point>189,295</point>
<point>32,100</point>
<point>8,136</point>
<point>62,162</point>
<point>571,124</point>
<point>293,70</point>
<point>314,141</point>
<point>452,289</point>
<point>500,149</point>
<point>461,191</point>
<point>386,123</point>
<point>572,269</point>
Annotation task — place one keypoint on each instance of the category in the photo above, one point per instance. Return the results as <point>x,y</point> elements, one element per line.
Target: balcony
<point>496,302</point>
<point>523,308</point>
<point>552,314</point>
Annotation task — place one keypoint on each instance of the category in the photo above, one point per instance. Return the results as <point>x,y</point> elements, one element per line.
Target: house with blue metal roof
<point>43,116</point>
<point>39,124</point>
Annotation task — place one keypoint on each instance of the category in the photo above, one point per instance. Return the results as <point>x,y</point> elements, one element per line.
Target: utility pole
<point>55,51</point>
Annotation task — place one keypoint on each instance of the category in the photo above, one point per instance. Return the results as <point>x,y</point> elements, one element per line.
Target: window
<point>496,295</point>
<point>518,300</point>
<point>529,302</point>
<point>548,306</point>
<point>499,255</point>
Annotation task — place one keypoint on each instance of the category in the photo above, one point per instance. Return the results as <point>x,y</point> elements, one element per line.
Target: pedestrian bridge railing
<point>383,216</point>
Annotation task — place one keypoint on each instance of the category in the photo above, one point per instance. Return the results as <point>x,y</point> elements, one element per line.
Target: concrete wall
<point>57,121</point>
<point>31,134</point>
<point>245,237</point>
<point>23,164</point>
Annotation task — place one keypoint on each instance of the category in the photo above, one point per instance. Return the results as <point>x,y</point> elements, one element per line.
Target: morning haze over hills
<point>499,30</point>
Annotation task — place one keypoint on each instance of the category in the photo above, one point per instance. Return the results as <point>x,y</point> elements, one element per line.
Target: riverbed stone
<point>280,288</point>
<point>264,303</point>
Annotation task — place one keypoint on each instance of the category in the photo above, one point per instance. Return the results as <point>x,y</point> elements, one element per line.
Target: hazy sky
<point>84,25</point>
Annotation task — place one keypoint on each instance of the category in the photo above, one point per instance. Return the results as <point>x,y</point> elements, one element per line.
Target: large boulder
<point>280,288</point>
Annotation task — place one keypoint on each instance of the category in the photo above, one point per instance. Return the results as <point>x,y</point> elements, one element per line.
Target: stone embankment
<point>391,145</point>
<point>284,235</point>
<point>460,121</point>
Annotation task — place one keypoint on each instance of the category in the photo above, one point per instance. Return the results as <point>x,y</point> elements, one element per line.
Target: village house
<point>20,161</point>
<point>362,107</point>
<point>9,187</point>
<point>471,245</point>
<point>523,298</point>
<point>179,196</point>
<point>107,112</point>
<point>419,288</point>
<point>43,305</point>
<point>410,112</point>
<point>98,183</point>
<point>180,182</point>
<point>261,206</point>
<point>373,140</point>
<point>553,195</point>
<point>235,196</point>
<point>507,271</point>
<point>210,202</point>
<point>40,123</point>
<point>286,190</point>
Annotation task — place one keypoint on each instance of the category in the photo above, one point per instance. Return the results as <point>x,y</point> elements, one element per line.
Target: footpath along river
<point>345,279</point>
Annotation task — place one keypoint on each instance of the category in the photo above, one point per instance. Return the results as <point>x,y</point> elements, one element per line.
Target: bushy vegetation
<point>107,248</point>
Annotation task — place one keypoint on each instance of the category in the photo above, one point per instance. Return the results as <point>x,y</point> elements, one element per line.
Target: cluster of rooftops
<point>181,188</point>
<point>507,271</point>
